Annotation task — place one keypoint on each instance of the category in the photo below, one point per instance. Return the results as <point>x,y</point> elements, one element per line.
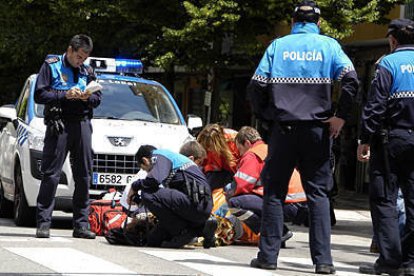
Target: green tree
<point>223,33</point>
<point>202,35</point>
<point>243,25</point>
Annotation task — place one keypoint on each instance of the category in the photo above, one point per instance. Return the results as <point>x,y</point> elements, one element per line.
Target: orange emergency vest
<point>295,189</point>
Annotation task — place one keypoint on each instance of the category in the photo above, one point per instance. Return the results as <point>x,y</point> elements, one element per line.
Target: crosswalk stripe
<point>33,239</point>
<point>352,215</point>
<point>305,265</point>
<point>208,264</point>
<point>70,261</point>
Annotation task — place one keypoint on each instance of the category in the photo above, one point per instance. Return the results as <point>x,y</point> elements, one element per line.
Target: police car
<point>133,111</point>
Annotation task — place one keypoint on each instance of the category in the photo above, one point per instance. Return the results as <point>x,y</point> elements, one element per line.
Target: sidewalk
<point>351,200</point>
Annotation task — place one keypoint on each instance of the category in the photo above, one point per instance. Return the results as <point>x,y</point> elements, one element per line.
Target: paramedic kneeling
<point>176,192</point>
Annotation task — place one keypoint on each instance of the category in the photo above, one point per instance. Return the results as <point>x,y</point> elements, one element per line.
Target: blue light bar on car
<point>111,65</point>
<point>129,66</point>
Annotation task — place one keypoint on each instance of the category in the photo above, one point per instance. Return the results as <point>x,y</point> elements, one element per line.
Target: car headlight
<point>36,141</point>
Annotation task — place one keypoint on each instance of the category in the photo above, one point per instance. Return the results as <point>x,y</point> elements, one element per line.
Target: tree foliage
<point>198,34</point>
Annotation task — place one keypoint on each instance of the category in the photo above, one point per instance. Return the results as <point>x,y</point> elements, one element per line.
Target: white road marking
<point>352,215</point>
<point>208,264</point>
<point>306,265</point>
<point>69,261</point>
<point>219,266</point>
<point>34,239</point>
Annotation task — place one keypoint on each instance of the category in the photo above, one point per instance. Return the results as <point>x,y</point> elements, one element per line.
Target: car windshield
<point>131,100</point>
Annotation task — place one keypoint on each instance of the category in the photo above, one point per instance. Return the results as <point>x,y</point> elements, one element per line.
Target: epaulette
<point>52,59</point>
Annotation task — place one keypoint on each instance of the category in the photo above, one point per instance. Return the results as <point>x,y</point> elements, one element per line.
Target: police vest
<point>400,65</point>
<point>299,70</point>
<point>179,161</point>
<point>63,76</point>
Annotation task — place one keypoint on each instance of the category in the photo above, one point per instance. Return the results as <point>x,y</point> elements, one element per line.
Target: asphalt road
<point>22,254</point>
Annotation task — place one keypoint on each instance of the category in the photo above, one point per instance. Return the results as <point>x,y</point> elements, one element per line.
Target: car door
<point>9,142</point>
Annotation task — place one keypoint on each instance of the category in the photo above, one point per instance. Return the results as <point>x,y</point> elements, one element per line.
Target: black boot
<point>287,234</point>
<point>83,233</point>
<point>42,232</point>
<point>209,232</point>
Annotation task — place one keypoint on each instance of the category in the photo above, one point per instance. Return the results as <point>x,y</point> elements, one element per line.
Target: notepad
<point>93,87</point>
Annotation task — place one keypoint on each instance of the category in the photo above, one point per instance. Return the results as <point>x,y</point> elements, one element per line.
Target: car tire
<point>23,214</point>
<point>6,206</point>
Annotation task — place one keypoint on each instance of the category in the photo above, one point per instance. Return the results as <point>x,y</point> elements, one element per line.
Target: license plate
<point>112,179</point>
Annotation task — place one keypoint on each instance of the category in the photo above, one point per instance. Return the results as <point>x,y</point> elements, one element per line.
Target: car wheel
<point>6,206</point>
<point>23,214</point>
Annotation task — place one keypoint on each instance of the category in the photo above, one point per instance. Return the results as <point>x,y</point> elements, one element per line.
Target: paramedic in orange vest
<point>222,154</point>
<point>244,194</point>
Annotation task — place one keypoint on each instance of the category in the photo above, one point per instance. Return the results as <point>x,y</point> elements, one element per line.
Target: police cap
<point>306,11</point>
<point>400,24</point>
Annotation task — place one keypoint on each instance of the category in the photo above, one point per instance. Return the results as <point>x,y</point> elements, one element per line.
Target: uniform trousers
<point>306,145</point>
<point>175,213</point>
<point>76,139</point>
<point>247,208</point>
<point>394,251</point>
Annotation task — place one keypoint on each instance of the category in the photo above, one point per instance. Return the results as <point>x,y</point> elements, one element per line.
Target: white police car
<point>134,111</point>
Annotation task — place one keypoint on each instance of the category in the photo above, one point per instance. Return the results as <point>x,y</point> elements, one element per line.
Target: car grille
<point>115,164</point>
<point>108,163</point>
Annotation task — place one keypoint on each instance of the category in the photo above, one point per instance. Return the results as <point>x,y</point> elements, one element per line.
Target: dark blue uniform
<point>55,78</point>
<point>390,107</point>
<point>165,192</point>
<point>292,89</point>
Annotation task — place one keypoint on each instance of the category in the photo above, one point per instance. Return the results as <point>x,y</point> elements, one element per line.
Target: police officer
<point>387,141</point>
<point>177,193</point>
<point>60,87</point>
<point>292,89</point>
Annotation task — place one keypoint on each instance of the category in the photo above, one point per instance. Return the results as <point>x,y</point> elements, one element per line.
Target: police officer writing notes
<point>292,89</point>
<point>387,141</point>
<point>68,109</point>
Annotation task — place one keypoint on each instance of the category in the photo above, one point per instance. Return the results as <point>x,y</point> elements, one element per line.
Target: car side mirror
<point>7,114</point>
<point>194,124</point>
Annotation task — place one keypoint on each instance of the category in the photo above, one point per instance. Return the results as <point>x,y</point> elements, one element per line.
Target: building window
<point>409,9</point>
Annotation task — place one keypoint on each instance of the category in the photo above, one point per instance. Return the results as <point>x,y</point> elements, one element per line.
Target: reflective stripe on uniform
<point>246,177</point>
<point>402,94</point>
<point>242,215</point>
<point>295,196</point>
<point>345,71</point>
<point>292,80</point>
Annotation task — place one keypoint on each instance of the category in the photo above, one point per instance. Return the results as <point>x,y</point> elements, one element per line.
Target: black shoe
<point>324,269</point>
<point>83,233</point>
<point>286,236</point>
<point>42,232</point>
<point>209,232</point>
<point>185,237</point>
<point>407,271</point>
<point>258,264</point>
<point>377,269</point>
